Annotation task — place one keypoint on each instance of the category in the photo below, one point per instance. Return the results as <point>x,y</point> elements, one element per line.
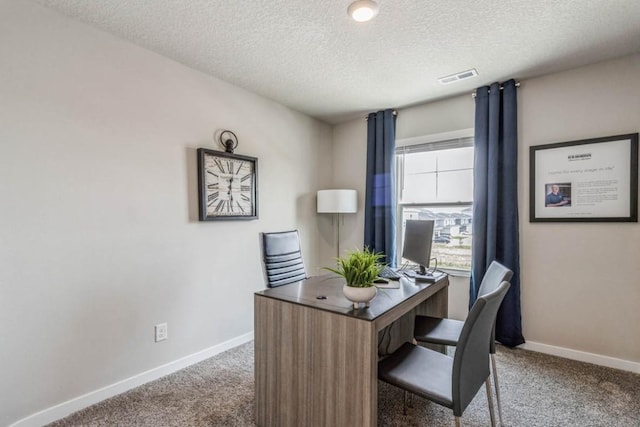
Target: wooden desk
<point>316,360</point>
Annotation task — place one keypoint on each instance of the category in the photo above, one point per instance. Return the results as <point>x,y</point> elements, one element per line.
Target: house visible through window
<point>435,181</point>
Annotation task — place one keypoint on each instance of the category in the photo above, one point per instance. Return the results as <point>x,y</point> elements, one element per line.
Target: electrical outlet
<point>162,332</point>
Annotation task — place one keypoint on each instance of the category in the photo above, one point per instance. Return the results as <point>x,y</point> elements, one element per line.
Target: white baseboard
<point>596,359</point>
<point>63,409</point>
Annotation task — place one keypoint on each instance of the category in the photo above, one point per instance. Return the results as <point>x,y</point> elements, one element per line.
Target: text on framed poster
<point>591,180</point>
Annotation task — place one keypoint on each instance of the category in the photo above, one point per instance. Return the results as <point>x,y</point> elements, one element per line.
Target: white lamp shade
<point>337,201</point>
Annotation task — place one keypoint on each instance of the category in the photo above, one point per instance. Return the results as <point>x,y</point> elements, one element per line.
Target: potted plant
<point>359,269</point>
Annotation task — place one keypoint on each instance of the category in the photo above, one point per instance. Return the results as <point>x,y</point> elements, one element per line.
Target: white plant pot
<point>358,295</point>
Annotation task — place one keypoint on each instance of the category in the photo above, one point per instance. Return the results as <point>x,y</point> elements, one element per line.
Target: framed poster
<point>591,180</point>
<point>227,186</point>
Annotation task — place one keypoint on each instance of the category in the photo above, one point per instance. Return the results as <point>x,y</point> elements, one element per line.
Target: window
<point>435,181</point>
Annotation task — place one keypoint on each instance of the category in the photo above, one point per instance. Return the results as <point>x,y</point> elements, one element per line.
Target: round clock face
<point>227,185</point>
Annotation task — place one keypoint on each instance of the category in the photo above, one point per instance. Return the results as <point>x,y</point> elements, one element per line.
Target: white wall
<point>579,281</point>
<point>99,237</point>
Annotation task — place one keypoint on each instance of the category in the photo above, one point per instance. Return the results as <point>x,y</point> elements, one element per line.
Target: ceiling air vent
<point>458,76</point>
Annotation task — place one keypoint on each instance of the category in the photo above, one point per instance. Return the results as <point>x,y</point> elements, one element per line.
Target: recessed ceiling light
<point>363,10</point>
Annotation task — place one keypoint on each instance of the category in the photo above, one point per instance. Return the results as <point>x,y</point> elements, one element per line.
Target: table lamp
<point>337,202</point>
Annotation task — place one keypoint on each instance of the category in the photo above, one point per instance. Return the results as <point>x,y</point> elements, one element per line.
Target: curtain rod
<point>395,113</point>
<point>473,94</point>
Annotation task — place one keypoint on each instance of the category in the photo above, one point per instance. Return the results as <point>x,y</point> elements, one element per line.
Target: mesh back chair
<point>451,382</point>
<point>435,330</point>
<point>283,258</point>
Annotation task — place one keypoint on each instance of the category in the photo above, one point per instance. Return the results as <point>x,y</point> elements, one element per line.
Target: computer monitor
<point>418,235</point>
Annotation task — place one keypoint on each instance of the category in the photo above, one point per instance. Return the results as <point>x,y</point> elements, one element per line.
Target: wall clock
<point>227,185</point>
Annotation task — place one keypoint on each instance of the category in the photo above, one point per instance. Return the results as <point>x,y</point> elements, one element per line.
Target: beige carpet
<point>537,390</point>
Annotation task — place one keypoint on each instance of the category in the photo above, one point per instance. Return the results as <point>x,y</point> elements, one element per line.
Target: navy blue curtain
<point>495,201</point>
<point>380,199</point>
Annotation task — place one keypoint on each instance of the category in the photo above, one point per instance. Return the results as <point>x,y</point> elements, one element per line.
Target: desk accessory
<point>420,277</point>
<point>360,268</point>
<point>391,284</point>
<point>227,182</point>
<point>423,278</point>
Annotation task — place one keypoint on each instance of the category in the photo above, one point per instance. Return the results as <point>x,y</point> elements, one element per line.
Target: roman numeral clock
<point>228,185</point>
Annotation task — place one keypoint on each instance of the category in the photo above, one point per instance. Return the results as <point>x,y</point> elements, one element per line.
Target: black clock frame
<point>202,191</point>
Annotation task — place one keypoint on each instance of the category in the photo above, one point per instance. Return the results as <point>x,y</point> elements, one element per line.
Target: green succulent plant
<point>359,267</point>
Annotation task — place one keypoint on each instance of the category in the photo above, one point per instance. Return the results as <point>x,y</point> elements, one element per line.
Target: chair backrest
<point>283,258</point>
<point>495,274</point>
<point>471,359</point>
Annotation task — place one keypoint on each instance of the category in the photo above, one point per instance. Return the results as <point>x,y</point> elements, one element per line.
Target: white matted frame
<point>590,180</point>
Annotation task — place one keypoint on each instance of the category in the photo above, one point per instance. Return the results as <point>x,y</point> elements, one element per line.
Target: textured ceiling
<point>310,56</point>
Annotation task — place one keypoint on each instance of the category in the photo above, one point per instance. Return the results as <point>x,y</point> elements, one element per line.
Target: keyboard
<point>389,273</point>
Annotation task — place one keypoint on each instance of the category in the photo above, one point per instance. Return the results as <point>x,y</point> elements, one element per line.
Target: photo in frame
<point>590,180</point>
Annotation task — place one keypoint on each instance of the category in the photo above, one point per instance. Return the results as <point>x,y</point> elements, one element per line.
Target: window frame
<point>446,140</point>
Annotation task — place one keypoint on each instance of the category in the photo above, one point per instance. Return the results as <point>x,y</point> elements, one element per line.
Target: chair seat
<point>437,330</point>
<point>451,382</point>
<point>421,371</point>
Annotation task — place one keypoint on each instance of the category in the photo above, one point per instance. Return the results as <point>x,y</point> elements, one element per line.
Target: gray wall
<point>580,280</point>
<point>580,288</point>
<point>99,237</point>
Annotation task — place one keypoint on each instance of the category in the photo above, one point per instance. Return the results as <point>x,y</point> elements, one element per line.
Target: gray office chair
<point>451,382</point>
<point>435,330</point>
<point>282,258</point>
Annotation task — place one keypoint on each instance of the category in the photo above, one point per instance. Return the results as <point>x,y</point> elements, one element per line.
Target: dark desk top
<point>307,292</point>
